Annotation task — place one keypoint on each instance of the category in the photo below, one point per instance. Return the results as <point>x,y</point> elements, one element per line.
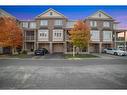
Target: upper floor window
<point>95,35</point>
<point>58,22</point>
<point>43,35</point>
<point>106,24</point>
<point>25,24</point>
<point>115,26</point>
<point>51,13</point>
<point>93,23</point>
<point>44,22</point>
<point>32,25</point>
<point>99,15</point>
<point>107,35</point>
<point>58,35</point>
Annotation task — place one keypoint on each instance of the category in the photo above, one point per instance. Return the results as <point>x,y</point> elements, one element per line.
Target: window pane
<point>58,22</point>
<point>25,24</point>
<point>44,22</point>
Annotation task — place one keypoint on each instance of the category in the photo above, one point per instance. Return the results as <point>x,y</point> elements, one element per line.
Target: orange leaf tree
<point>10,33</point>
<point>80,35</point>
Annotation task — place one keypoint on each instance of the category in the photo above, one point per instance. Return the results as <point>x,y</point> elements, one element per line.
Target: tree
<point>10,33</point>
<point>80,36</point>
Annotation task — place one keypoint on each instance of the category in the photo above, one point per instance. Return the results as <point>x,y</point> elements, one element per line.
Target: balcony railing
<point>120,39</point>
<point>29,38</point>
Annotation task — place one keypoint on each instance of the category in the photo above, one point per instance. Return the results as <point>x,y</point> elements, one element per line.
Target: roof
<point>50,9</point>
<point>90,17</point>
<point>8,14</point>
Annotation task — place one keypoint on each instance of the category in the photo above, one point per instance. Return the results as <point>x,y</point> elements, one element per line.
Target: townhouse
<point>50,30</point>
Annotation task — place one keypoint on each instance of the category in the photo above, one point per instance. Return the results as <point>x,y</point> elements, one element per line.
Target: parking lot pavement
<point>63,74</point>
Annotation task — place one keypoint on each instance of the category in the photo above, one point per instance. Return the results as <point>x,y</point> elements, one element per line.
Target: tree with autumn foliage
<point>10,33</point>
<point>80,36</point>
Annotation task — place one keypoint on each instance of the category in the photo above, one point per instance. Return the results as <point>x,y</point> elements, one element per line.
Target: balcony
<point>58,26</point>
<point>29,38</point>
<point>120,39</point>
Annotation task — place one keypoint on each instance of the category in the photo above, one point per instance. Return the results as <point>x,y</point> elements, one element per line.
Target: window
<point>58,22</point>
<point>95,35</point>
<point>106,24</point>
<point>99,15</point>
<point>115,26</point>
<point>51,13</point>
<point>43,35</point>
<point>25,24</point>
<point>107,35</point>
<point>44,22</point>
<point>58,35</point>
<point>32,25</point>
<point>93,23</point>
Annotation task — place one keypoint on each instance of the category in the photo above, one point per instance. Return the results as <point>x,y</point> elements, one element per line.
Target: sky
<point>72,12</point>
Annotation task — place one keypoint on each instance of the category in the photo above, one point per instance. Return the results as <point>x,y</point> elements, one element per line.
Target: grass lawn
<point>80,56</point>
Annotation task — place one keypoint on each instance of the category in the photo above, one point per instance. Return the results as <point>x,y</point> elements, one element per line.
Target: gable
<point>5,14</point>
<point>100,15</point>
<point>51,14</point>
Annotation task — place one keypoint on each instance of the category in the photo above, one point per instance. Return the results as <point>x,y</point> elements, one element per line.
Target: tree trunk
<point>13,50</point>
<point>88,49</point>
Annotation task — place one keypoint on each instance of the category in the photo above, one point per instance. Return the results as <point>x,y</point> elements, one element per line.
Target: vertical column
<point>124,40</point>
<point>65,47</point>
<point>50,48</point>
<point>115,39</point>
<point>100,47</point>
<point>37,45</point>
<point>24,41</point>
<point>35,40</point>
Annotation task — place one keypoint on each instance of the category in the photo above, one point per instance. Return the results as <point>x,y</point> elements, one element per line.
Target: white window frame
<point>32,25</point>
<point>95,35</point>
<point>43,35</point>
<point>93,23</point>
<point>106,24</point>
<point>115,26</point>
<point>25,24</point>
<point>58,22</point>
<point>107,36</point>
<point>58,35</point>
<point>43,22</point>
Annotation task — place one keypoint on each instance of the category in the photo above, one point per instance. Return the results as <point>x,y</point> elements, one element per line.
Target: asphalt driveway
<point>63,74</point>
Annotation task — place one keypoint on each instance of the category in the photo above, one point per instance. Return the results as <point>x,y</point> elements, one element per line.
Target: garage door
<point>44,45</point>
<point>57,48</point>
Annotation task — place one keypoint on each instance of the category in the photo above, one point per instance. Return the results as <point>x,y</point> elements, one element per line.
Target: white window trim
<point>95,37</point>
<point>105,38</point>
<point>58,22</point>
<point>43,35</point>
<point>56,35</point>
<point>25,24</point>
<point>106,24</point>
<point>43,22</point>
<point>32,25</point>
<point>93,23</point>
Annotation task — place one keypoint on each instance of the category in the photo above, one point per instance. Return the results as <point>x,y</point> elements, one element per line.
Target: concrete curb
<point>55,59</point>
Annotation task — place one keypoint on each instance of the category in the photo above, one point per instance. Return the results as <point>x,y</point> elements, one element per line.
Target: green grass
<point>20,56</point>
<point>80,56</point>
